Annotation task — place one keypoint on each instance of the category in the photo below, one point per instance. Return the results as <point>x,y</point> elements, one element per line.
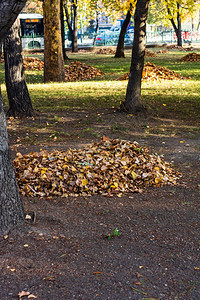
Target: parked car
<point>115,29</point>
<point>106,38</point>
<point>130,30</point>
<point>111,36</point>
<point>128,39</point>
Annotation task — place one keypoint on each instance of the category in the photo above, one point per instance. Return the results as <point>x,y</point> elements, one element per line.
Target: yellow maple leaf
<point>36,169</point>
<point>44,176</point>
<point>116,184</point>
<point>43,171</point>
<point>84,181</point>
<point>157,180</point>
<point>134,175</point>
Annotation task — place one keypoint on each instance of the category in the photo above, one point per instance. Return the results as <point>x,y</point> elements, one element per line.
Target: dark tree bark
<point>11,207</point>
<point>53,55</point>
<point>132,101</point>
<point>65,57</point>
<point>18,96</point>
<point>71,32</point>
<point>72,24</point>
<point>120,46</point>
<point>177,28</point>
<point>179,31</point>
<point>75,40</point>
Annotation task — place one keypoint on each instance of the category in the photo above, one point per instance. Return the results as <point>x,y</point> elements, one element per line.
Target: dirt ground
<point>65,254</point>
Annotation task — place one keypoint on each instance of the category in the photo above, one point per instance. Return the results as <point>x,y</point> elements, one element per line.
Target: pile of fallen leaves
<point>149,53</point>
<point>191,57</point>
<point>78,71</point>
<point>190,49</point>
<point>153,72</point>
<point>33,63</point>
<point>181,48</point>
<point>175,47</point>
<point>162,51</point>
<point>107,167</point>
<point>105,51</point>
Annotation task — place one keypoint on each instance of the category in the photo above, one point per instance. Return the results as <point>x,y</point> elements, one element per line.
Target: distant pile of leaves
<point>105,51</point>
<point>149,53</point>
<point>33,63</point>
<point>191,57</point>
<point>162,51</point>
<point>78,71</point>
<point>175,47</point>
<point>108,167</point>
<point>190,49</point>
<point>153,72</point>
<point>181,48</point>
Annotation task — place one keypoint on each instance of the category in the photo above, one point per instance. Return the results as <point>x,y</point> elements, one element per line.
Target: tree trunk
<point>96,28</point>
<point>65,57</point>
<point>18,96</point>
<point>120,46</point>
<point>11,207</point>
<point>72,26</point>
<point>133,102</point>
<point>53,55</point>
<point>75,39</point>
<point>179,35</point>
<point>177,28</point>
<point>68,21</point>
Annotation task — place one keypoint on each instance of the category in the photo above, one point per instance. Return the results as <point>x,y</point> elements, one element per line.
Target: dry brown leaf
<point>31,296</point>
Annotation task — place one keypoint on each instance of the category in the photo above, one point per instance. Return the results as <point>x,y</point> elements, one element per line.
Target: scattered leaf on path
<point>22,294</point>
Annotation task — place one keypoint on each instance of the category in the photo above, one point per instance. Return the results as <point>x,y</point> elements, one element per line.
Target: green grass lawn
<point>181,96</point>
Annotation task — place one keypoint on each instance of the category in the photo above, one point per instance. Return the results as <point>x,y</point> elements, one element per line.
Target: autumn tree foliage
<point>11,207</point>
<point>177,10</point>
<point>20,104</point>
<point>173,12</point>
<point>53,51</point>
<point>33,6</point>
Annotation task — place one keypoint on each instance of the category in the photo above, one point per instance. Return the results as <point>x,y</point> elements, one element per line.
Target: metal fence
<point>107,38</point>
